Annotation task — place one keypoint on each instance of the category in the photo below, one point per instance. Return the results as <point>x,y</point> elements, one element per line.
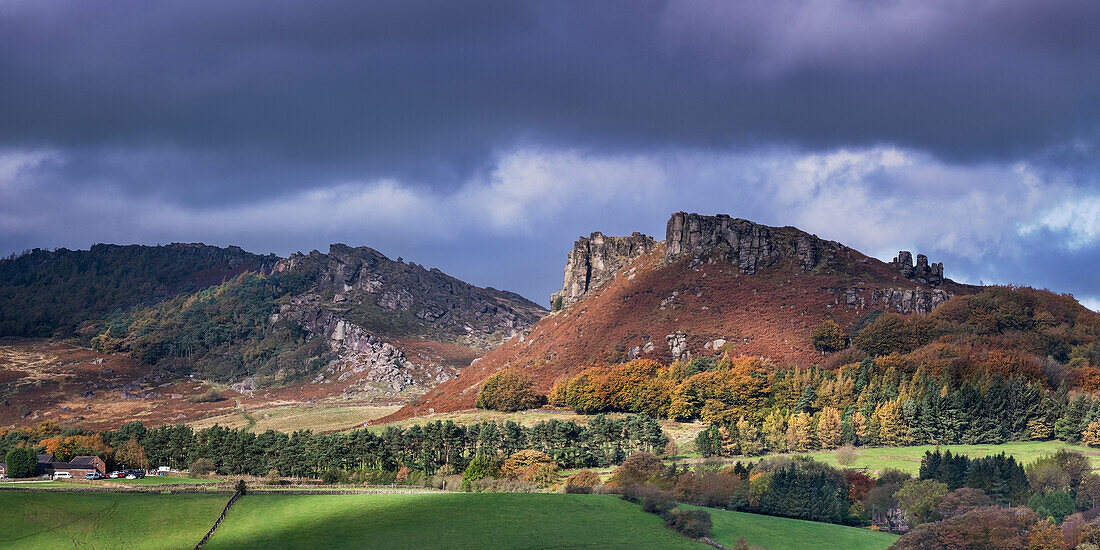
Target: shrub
<point>1055,505</point>
<point>919,499</point>
<point>209,396</point>
<point>201,466</point>
<point>652,499</point>
<point>531,466</point>
<point>638,468</point>
<point>481,467</point>
<point>582,482</point>
<point>241,486</point>
<point>846,455</point>
<point>828,336</point>
<point>334,475</point>
<point>691,523</point>
<point>273,477</point>
<point>509,391</point>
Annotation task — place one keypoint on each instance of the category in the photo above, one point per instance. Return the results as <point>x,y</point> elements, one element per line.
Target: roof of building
<point>46,457</point>
<point>83,461</point>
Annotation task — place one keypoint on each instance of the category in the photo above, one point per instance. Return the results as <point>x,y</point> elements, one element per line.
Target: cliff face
<point>594,261</point>
<point>749,246</point>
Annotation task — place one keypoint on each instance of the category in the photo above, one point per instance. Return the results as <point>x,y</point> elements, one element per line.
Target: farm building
<point>77,467</point>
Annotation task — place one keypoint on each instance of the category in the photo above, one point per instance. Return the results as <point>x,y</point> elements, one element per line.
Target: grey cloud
<point>429,91</point>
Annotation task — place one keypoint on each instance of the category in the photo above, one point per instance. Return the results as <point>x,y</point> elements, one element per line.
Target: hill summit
<point>715,283</point>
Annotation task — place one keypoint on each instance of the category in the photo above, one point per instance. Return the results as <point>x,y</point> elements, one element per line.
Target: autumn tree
<point>828,337</point>
<point>799,433</point>
<point>828,428</point>
<point>509,391</point>
<point>132,454</point>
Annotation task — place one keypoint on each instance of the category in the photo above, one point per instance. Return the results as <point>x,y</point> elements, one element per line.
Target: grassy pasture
<point>443,520</point>
<point>43,520</point>
<point>46,520</point>
<point>791,534</point>
<point>298,417</point>
<point>908,459</point>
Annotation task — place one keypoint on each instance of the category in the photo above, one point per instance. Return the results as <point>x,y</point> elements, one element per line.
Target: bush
<point>638,468</point>
<point>481,467</point>
<point>582,482</point>
<point>691,523</point>
<point>652,499</point>
<point>828,336</point>
<point>509,391</point>
<point>241,487</point>
<point>846,455</point>
<point>21,462</point>
<point>201,467</point>
<point>333,476</point>
<point>273,477</point>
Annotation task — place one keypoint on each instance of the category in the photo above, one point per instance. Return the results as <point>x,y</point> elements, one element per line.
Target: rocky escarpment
<point>898,300</point>
<point>594,261</point>
<point>923,272</point>
<point>749,246</point>
<point>401,299</point>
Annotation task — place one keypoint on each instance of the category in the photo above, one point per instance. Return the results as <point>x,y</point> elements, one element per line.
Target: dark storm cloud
<point>289,91</point>
<point>482,137</point>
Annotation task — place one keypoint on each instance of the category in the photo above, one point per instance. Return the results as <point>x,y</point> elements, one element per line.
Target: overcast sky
<point>484,137</point>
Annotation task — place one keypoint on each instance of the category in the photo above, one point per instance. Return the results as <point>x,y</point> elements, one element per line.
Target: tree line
<point>426,448</point>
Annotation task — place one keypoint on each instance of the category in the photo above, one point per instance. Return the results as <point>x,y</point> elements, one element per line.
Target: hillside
<point>718,284</point>
<point>53,293</point>
<point>351,324</point>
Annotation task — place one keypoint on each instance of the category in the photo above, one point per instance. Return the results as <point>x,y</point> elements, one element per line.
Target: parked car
<point>116,474</point>
<point>62,475</point>
<point>93,476</point>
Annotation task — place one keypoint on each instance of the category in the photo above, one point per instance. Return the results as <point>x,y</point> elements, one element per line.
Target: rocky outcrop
<point>749,246</point>
<point>923,272</point>
<point>677,346</point>
<point>405,299</point>
<point>594,261</point>
<point>898,300</point>
<point>356,352</point>
<point>907,301</point>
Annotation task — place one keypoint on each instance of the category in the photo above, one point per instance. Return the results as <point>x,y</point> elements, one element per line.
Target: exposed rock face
<point>356,351</point>
<point>749,246</point>
<point>922,272</point>
<point>677,346</point>
<point>908,301</point>
<point>594,261</point>
<point>398,299</point>
<point>899,300</point>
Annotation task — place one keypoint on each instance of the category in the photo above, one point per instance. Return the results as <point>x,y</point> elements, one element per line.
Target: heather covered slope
<point>729,285</point>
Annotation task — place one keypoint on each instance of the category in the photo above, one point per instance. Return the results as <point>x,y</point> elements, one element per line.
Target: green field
<point>41,520</point>
<point>908,459</point>
<point>298,417</point>
<point>47,519</point>
<point>791,534</point>
<point>443,520</point>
